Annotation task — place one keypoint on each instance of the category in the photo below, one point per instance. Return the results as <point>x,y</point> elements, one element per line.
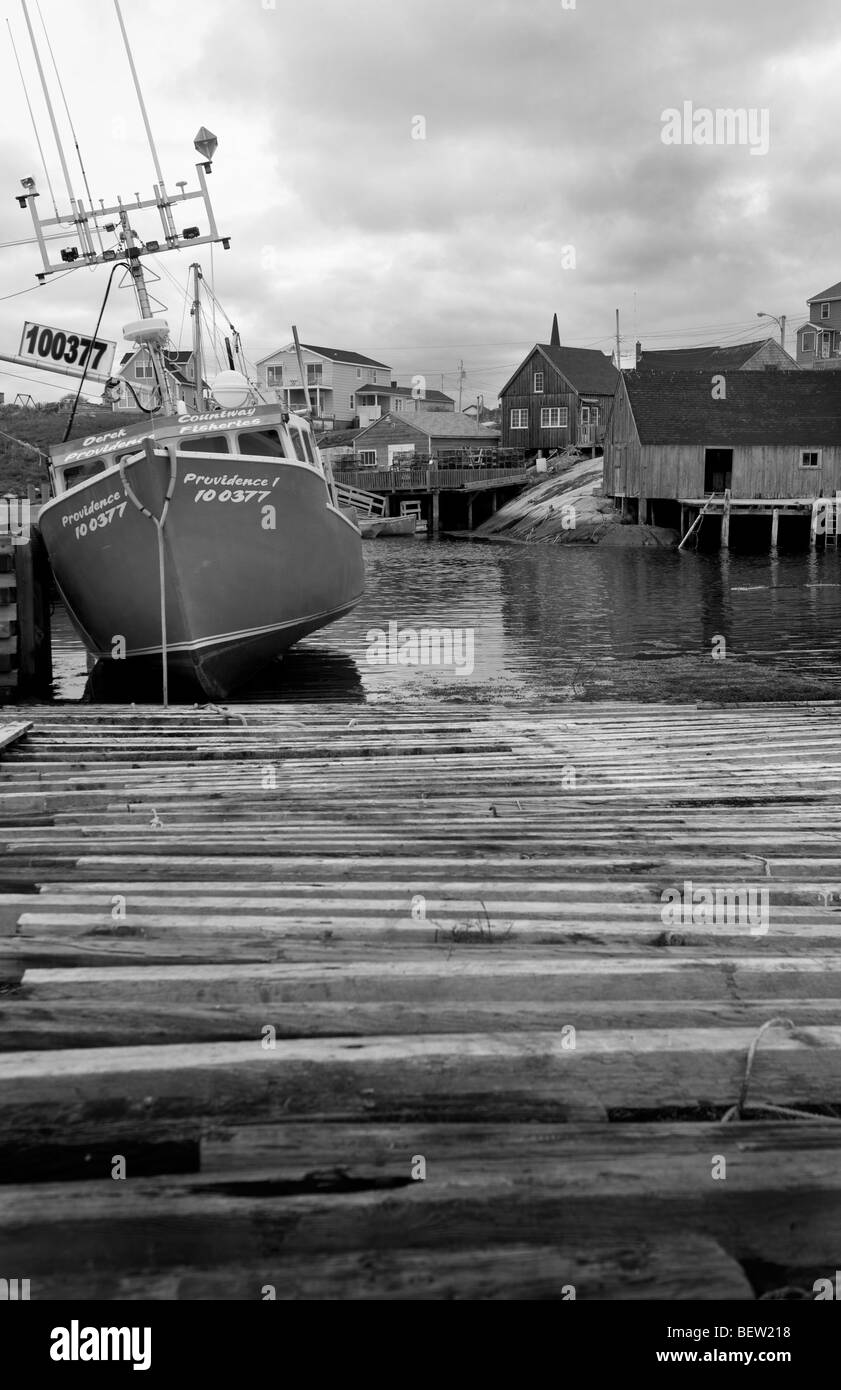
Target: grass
<point>39,427</point>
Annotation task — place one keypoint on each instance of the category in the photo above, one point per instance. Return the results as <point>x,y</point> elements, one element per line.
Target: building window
<point>351,402</point>
<point>554,417</point>
<point>519,419</point>
<point>538,383</point>
<point>399,403</point>
<point>315,373</point>
<point>143,371</point>
<point>359,374</point>
<point>274,376</point>
<point>808,342</point>
<point>810,458</point>
<point>367,458</point>
<point>824,345</point>
<point>824,311</point>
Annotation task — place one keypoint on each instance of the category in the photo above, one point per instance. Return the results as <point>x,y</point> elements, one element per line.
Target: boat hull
<point>255,556</point>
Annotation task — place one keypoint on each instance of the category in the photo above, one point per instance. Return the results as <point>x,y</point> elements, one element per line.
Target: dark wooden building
<point>557,396</point>
<point>678,437</point>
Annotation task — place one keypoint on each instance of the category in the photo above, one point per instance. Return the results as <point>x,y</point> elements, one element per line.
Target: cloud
<point>542,130</point>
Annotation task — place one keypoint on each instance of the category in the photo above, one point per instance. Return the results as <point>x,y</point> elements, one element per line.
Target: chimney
<point>555,340</point>
<point>638,352</point>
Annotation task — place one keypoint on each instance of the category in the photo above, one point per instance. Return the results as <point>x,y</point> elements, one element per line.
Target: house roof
<point>758,408</point>
<point>371,389</point>
<point>354,359</point>
<point>337,439</point>
<point>339,355</point>
<point>586,369</point>
<point>439,424</point>
<point>703,359</point>
<point>834,292</point>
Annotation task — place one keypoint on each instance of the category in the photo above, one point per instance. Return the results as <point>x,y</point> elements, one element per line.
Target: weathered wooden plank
<point>26,1024</point>
<point>689,1267</point>
<point>345,1188</point>
<point>460,977</point>
<point>538,1075</point>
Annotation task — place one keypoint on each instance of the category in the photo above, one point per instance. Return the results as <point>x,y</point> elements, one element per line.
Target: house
<point>671,438</point>
<point>372,401</point>
<point>762,355</point>
<point>557,396</point>
<point>333,376</point>
<point>423,434</point>
<point>137,379</point>
<point>819,339</point>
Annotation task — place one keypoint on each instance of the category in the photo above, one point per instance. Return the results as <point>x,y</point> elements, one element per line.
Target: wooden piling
<point>25,647</point>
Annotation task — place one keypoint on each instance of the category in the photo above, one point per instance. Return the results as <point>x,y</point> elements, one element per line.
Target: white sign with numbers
<point>56,346</point>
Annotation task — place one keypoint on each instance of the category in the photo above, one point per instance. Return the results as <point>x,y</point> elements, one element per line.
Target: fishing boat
<point>209,536</point>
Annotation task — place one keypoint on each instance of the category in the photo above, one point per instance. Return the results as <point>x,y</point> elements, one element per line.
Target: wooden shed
<point>675,438</point>
<point>424,435</point>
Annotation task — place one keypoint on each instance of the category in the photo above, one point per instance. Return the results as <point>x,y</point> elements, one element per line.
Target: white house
<point>333,377</point>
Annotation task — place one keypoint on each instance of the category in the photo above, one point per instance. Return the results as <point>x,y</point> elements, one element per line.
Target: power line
<point>29,290</point>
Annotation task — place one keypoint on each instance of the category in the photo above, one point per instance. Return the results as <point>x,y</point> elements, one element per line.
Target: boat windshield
<point>264,443</point>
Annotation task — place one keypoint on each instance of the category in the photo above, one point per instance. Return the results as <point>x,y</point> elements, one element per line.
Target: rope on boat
<point>159,522</point>
<point>736,1112</point>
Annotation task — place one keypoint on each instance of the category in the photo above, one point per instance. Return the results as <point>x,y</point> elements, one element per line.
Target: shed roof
<point>698,359</point>
<point>439,424</point>
<point>758,408</point>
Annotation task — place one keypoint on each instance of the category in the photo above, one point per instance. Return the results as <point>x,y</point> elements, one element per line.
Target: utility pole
<point>461,376</point>
<point>618,358</point>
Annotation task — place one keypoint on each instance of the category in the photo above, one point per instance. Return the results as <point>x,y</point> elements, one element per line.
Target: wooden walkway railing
<point>426,479</point>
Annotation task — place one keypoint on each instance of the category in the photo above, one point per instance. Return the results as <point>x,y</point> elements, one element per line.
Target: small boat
<point>379,527</point>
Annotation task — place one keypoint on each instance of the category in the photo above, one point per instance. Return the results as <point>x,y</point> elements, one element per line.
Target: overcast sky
<point>543,129</point>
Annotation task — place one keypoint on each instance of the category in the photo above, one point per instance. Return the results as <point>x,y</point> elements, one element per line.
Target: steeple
<point>555,340</point>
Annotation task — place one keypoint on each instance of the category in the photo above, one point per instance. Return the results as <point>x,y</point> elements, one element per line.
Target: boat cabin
<point>252,433</point>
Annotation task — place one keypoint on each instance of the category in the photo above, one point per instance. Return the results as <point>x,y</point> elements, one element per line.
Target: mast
<point>198,372</point>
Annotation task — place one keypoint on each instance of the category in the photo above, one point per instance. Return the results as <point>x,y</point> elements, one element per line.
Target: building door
<point>584,428</point>
<point>718,469</point>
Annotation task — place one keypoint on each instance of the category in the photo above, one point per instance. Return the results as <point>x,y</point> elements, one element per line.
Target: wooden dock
<point>383,1003</point>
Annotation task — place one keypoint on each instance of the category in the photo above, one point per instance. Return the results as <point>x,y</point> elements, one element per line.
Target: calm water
<point>542,616</point>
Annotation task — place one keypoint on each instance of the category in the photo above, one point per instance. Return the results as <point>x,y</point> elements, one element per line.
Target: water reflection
<point>540,614</point>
